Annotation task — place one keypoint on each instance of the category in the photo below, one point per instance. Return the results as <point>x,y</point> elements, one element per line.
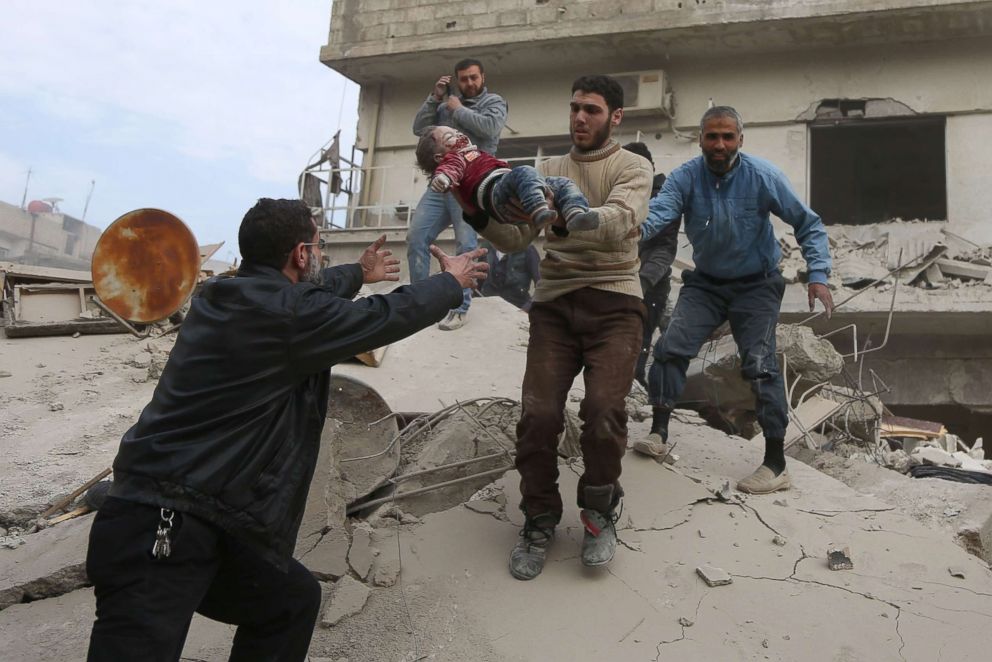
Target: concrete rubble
<point>925,254</point>
<point>405,580</point>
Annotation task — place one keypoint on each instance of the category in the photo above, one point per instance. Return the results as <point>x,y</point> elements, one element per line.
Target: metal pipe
<point>394,497</point>
<point>450,465</point>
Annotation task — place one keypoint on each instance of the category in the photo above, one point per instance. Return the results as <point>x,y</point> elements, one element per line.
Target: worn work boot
<point>527,557</point>
<point>764,481</point>
<point>654,446</point>
<point>599,541</point>
<point>454,320</point>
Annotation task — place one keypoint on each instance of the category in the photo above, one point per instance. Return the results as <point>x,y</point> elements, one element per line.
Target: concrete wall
<point>47,236</point>
<point>770,90</point>
<point>362,28</point>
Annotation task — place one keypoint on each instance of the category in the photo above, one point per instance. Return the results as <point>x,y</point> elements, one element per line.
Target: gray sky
<point>195,107</point>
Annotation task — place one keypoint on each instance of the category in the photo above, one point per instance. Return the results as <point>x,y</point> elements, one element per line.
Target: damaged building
<point>870,109</point>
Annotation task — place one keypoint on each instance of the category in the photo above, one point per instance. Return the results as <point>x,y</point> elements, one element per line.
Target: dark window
<point>867,171</point>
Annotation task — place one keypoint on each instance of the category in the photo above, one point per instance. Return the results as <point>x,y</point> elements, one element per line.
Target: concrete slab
<point>49,563</point>
<point>58,629</point>
<point>650,604</point>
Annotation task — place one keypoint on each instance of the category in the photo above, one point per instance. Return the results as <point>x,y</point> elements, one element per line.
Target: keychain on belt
<point>163,546</point>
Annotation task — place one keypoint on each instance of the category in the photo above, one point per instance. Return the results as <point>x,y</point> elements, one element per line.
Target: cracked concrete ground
<point>455,600</point>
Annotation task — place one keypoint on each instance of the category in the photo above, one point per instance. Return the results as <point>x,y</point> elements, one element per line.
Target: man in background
<point>464,103</point>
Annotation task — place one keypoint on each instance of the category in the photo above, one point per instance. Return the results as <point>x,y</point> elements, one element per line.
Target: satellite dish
<point>145,265</point>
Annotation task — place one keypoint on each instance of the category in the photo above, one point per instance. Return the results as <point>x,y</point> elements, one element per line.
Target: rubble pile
<point>922,253</point>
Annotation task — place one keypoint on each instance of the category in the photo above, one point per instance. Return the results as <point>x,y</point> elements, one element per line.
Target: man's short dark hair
<point>605,86</point>
<point>722,111</point>
<point>272,228</point>
<point>466,63</point>
<point>426,148</point>
<point>640,149</point>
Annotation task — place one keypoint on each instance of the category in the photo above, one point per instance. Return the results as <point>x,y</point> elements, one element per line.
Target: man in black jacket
<point>211,483</point>
<point>657,255</point>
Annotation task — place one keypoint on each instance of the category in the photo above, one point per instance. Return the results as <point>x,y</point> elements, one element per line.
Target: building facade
<point>871,108</point>
<point>45,238</point>
<point>875,110</point>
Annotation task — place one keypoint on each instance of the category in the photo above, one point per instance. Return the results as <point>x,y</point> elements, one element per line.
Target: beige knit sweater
<point>618,185</point>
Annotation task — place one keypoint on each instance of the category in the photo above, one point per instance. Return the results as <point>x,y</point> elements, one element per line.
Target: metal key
<point>163,546</point>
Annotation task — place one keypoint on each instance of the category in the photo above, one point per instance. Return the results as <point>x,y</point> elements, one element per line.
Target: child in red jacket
<point>481,182</point>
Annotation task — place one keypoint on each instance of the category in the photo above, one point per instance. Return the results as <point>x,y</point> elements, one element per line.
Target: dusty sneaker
<point>654,446</point>
<point>599,541</point>
<point>453,321</point>
<point>579,219</point>
<point>528,555</point>
<point>764,481</point>
<point>543,216</point>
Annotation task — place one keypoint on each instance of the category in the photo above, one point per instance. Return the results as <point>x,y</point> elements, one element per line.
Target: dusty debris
<point>714,576</point>
<point>463,447</point>
<point>724,493</point>
<point>839,558</point>
<point>935,456</point>
<point>348,597</point>
<point>386,559</point>
<point>360,553</point>
<point>483,507</point>
<point>48,563</point>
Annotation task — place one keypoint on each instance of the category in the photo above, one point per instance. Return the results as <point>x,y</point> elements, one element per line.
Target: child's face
<point>445,138</point>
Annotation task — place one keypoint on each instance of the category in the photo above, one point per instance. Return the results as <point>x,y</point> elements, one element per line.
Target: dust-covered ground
<point>67,402</point>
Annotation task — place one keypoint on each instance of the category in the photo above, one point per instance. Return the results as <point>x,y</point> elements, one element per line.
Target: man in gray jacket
<point>480,115</point>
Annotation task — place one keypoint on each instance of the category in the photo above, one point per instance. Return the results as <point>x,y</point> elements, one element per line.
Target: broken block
<point>714,576</point>
<point>839,558</point>
<point>935,456</point>
<point>348,597</point>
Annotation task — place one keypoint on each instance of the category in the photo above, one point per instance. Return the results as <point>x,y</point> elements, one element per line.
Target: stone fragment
<point>686,622</point>
<point>956,572</point>
<point>724,493</point>
<point>780,502</point>
<point>714,576</point>
<point>360,553</point>
<point>898,460</point>
<point>839,558</point>
<point>348,597</point>
<point>4,373</point>
<point>935,456</point>
<point>328,559</point>
<point>45,564</point>
<point>55,406</point>
<point>779,540</point>
<point>386,565</point>
<point>484,507</point>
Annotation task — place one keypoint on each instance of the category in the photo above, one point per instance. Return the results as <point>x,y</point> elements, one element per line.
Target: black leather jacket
<point>233,429</point>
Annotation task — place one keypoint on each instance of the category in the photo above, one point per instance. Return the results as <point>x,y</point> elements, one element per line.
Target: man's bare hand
<point>453,103</point>
<point>376,263</point>
<point>441,87</point>
<point>821,292</point>
<point>516,213</point>
<point>464,267</point>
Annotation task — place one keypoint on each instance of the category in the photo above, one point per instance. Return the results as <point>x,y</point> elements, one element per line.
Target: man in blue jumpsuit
<point>725,198</point>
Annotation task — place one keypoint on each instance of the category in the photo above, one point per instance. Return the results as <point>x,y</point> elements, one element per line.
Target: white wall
<point>771,91</point>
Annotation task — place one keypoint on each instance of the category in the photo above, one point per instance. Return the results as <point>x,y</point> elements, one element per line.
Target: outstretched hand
<point>466,270</point>
<point>376,263</point>
<point>821,292</point>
